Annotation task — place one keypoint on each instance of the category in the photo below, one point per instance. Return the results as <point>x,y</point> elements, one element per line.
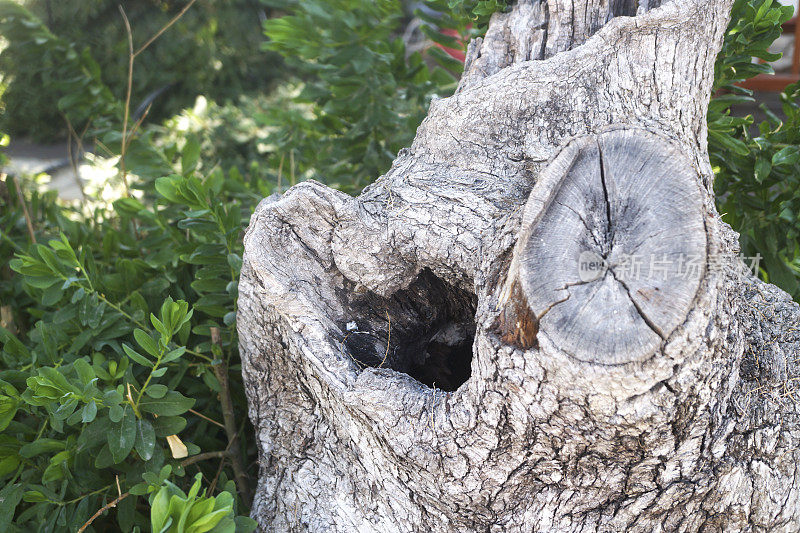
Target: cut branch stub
<point>613,246</point>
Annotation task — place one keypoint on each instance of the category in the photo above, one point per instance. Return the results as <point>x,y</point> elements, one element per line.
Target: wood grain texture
<point>539,29</point>
<point>355,431</point>
<point>631,200</point>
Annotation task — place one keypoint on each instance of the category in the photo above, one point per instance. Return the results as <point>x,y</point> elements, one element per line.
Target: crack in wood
<point>630,199</point>
<point>609,222</point>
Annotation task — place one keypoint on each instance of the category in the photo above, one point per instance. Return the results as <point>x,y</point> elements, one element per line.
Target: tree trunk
<point>536,320</point>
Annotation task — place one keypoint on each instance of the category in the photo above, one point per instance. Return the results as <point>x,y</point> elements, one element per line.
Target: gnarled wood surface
<point>630,205</point>
<point>412,364</point>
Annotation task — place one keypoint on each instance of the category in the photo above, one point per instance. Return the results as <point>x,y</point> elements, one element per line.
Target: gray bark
<point>432,356</point>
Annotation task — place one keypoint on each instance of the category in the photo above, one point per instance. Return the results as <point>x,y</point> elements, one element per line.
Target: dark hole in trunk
<point>627,8</point>
<point>425,331</point>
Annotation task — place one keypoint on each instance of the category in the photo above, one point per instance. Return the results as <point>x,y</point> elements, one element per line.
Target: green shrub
<point>213,50</point>
<point>50,80</point>
<point>361,99</point>
<point>173,511</point>
<point>362,95</point>
<point>757,176</point>
<point>229,135</point>
<point>114,316</point>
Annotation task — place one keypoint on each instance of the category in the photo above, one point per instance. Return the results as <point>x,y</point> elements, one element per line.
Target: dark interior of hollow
<point>628,8</point>
<point>425,331</point>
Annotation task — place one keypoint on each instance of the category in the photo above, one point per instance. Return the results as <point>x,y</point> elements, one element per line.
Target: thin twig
<point>72,160</point>
<point>131,56</point>
<point>204,417</point>
<point>213,485</point>
<point>280,172</point>
<point>203,456</point>
<point>71,157</point>
<point>228,416</point>
<point>126,137</point>
<point>291,166</point>
<point>106,507</point>
<point>138,123</point>
<point>25,212</point>
<point>219,469</point>
<point>165,28</point>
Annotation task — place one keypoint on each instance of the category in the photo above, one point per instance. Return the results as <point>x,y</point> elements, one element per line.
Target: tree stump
<point>608,235</point>
<point>536,320</point>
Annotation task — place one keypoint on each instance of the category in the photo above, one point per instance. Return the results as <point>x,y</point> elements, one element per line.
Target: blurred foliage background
<point>213,50</point>
<point>121,400</point>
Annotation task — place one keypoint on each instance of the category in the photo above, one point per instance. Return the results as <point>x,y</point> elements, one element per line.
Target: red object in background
<point>762,82</point>
<point>452,52</point>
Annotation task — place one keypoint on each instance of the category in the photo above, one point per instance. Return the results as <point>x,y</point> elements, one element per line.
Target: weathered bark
<point>432,356</point>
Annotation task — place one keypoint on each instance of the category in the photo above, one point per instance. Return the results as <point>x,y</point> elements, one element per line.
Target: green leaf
<point>52,295</point>
<point>8,409</point>
<point>190,155</point>
<point>235,262</point>
<point>129,206</point>
<point>53,472</point>
<point>140,489</point>
<point>167,187</point>
<point>156,391</point>
<point>50,259</point>
<point>159,510</point>
<point>160,327</point>
<point>729,143</point>
<point>84,370</point>
<point>115,413</point>
<point>165,426</point>
<point>103,459</point>
<point>145,439</point>
<point>122,436</point>
<point>34,496</point>
<point>762,169</point>
<point>786,156</point>
<point>40,282</point>
<point>112,397</point>
<point>208,521</point>
<point>440,38</point>
<point>245,524</point>
<point>57,378</point>
<point>174,355</point>
<point>173,403</point>
<point>209,285</point>
<point>136,356</point>
<point>41,446</point>
<point>89,412</point>
<point>8,465</point>
<point>146,342</point>
<point>126,513</point>
<point>446,60</point>
<point>10,496</point>
<point>95,434</point>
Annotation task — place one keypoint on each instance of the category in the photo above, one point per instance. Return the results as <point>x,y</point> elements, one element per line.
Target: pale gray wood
<point>539,29</point>
<point>355,431</point>
<point>632,200</point>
